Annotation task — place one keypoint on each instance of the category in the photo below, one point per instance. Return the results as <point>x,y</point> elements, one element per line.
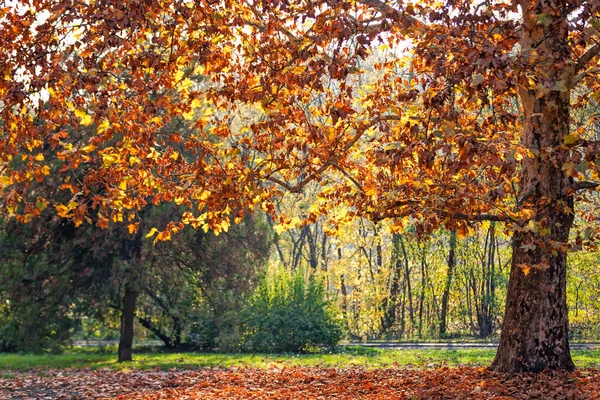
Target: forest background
<point>60,284</point>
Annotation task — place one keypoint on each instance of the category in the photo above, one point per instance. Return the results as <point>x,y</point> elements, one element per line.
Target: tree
<point>464,117</point>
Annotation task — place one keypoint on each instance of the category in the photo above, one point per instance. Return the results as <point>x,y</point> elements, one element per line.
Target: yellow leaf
<point>299,69</point>
<point>532,226</point>
<point>84,118</point>
<point>151,233</point>
<point>104,125</point>
<point>185,84</point>
<point>89,148</point>
<point>153,154</point>
<point>188,116</point>
<point>297,222</point>
<point>204,195</point>
<point>280,229</point>
<point>132,228</point>
<point>196,103</point>
<point>371,192</point>
<point>225,225</point>
<point>62,211</point>
<point>123,185</point>
<point>163,236</point>
<point>39,157</point>
<point>187,218</point>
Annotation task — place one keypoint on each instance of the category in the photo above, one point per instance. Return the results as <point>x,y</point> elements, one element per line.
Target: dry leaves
<point>302,383</point>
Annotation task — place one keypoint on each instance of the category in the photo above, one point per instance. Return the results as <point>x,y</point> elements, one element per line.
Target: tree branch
<point>387,10</point>
<point>334,158</point>
<point>154,329</point>
<point>584,185</point>
<point>587,57</point>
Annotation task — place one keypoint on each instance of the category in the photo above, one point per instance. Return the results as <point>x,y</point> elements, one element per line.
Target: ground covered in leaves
<point>300,383</point>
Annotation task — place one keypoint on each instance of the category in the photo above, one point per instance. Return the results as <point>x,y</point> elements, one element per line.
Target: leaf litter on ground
<point>283,382</point>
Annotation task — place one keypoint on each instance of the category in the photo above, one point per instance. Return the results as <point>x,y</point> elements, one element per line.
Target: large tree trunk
<point>534,332</point>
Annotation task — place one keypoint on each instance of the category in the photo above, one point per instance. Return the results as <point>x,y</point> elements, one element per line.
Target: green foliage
<point>289,313</point>
<point>196,301</point>
<point>32,297</point>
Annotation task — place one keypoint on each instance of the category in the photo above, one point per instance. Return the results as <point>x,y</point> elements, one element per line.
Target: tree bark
<point>534,333</point>
<point>127,320</point>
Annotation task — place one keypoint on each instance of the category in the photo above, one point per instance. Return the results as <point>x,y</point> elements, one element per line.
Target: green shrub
<point>288,313</point>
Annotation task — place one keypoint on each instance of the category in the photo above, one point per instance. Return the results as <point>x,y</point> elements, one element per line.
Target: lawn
<point>345,357</point>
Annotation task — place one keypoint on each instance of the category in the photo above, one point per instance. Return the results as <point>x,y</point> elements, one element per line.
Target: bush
<point>288,313</point>
<point>27,328</point>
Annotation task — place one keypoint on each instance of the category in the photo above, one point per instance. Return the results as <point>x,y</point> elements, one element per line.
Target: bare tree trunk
<point>485,315</point>
<point>446,295</point>
<point>344,292</point>
<point>125,351</point>
<point>421,299</point>
<point>389,305</point>
<point>313,256</point>
<point>411,312</point>
<point>132,252</point>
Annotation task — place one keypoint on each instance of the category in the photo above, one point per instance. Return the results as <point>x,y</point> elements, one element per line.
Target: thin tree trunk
<point>411,312</point>
<point>125,351</point>
<point>421,299</point>
<point>390,302</point>
<point>132,252</point>
<point>344,292</point>
<point>446,295</point>
<point>487,285</point>
<point>313,256</point>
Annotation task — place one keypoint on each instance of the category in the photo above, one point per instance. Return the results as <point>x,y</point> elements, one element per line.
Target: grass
<point>346,357</point>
